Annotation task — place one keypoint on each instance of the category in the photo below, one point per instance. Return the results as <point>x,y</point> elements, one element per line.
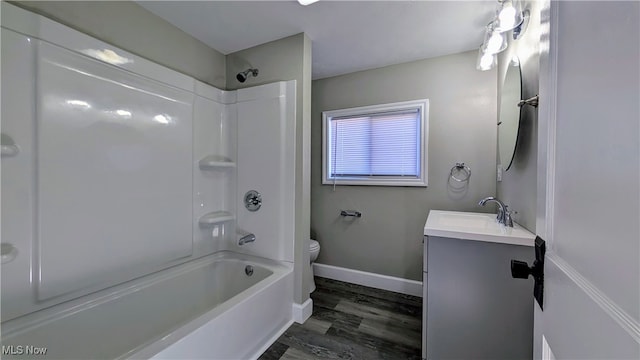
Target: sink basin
<point>475,226</point>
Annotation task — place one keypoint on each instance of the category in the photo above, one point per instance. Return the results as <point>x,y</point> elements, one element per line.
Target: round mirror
<point>509,118</point>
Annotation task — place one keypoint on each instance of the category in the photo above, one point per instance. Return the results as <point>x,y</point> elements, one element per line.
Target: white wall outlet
<point>499,173</point>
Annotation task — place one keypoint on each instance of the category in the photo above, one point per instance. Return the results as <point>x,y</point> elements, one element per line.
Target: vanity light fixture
<point>306,2</point>
<point>509,16</point>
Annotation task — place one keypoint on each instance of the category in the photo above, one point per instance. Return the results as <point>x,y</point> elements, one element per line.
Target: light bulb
<point>486,61</point>
<point>507,17</point>
<point>495,43</point>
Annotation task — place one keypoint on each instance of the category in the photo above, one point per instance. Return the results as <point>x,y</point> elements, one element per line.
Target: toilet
<point>314,250</point>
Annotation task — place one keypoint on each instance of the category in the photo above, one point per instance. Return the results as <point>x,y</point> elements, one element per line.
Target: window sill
<point>363,182</point>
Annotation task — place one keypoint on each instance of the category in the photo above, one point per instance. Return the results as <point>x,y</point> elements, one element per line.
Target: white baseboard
<point>301,312</point>
<point>384,282</point>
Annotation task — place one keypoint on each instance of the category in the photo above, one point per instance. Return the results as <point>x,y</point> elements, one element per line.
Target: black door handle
<point>522,270</point>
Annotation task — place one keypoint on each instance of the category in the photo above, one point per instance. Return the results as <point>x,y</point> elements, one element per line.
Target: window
<point>376,145</point>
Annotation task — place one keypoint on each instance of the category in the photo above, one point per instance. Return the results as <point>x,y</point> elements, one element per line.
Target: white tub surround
<point>106,187</point>
<point>266,163</point>
<point>214,169</point>
<point>116,170</point>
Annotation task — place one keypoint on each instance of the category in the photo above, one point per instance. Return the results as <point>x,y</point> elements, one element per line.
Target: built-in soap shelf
<point>212,162</point>
<point>9,148</point>
<point>215,217</point>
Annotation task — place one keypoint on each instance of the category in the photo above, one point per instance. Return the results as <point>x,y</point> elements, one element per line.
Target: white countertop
<point>475,226</point>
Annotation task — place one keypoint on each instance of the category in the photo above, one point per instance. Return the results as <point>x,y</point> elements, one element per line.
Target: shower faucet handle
<point>252,200</point>
<point>508,216</point>
<point>255,200</point>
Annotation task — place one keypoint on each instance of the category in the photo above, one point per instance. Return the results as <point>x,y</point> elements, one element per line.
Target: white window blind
<point>376,145</point>
<point>384,144</point>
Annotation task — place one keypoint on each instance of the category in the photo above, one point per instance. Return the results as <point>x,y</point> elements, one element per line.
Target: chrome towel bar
<point>354,213</point>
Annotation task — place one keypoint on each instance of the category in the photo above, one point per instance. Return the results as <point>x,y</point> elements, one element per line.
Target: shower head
<point>242,76</point>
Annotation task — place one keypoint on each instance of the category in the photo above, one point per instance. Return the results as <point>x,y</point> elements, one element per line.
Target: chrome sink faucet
<point>504,215</point>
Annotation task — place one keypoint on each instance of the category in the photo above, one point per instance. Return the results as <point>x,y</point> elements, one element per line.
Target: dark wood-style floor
<point>353,322</point>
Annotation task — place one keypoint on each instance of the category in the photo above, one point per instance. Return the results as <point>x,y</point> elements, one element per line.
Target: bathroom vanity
<point>473,308</point>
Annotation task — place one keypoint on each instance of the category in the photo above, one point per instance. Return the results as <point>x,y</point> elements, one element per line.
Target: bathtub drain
<point>248,270</point>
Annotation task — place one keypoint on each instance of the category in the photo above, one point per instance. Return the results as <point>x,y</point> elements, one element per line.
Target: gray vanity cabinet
<point>473,308</point>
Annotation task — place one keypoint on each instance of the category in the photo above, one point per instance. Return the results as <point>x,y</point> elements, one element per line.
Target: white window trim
<point>422,105</point>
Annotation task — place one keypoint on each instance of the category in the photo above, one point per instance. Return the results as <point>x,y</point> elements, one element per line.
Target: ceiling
<point>347,36</point>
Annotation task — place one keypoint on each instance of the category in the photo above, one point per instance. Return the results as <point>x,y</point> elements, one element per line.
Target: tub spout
<point>246,238</point>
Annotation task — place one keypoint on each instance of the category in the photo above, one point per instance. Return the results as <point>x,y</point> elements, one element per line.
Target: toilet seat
<point>313,245</point>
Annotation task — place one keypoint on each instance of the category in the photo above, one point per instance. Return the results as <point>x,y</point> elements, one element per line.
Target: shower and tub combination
<point>124,226</point>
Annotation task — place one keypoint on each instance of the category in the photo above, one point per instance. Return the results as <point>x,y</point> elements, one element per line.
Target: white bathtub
<point>208,308</point>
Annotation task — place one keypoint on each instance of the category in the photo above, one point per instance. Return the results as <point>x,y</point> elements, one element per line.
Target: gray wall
<point>462,117</point>
<point>287,59</point>
<point>518,186</point>
<point>129,26</point>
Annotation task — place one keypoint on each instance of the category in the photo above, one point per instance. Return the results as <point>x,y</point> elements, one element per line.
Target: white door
<point>589,181</point>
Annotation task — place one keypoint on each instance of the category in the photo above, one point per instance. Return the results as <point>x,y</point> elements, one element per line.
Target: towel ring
<point>461,168</point>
